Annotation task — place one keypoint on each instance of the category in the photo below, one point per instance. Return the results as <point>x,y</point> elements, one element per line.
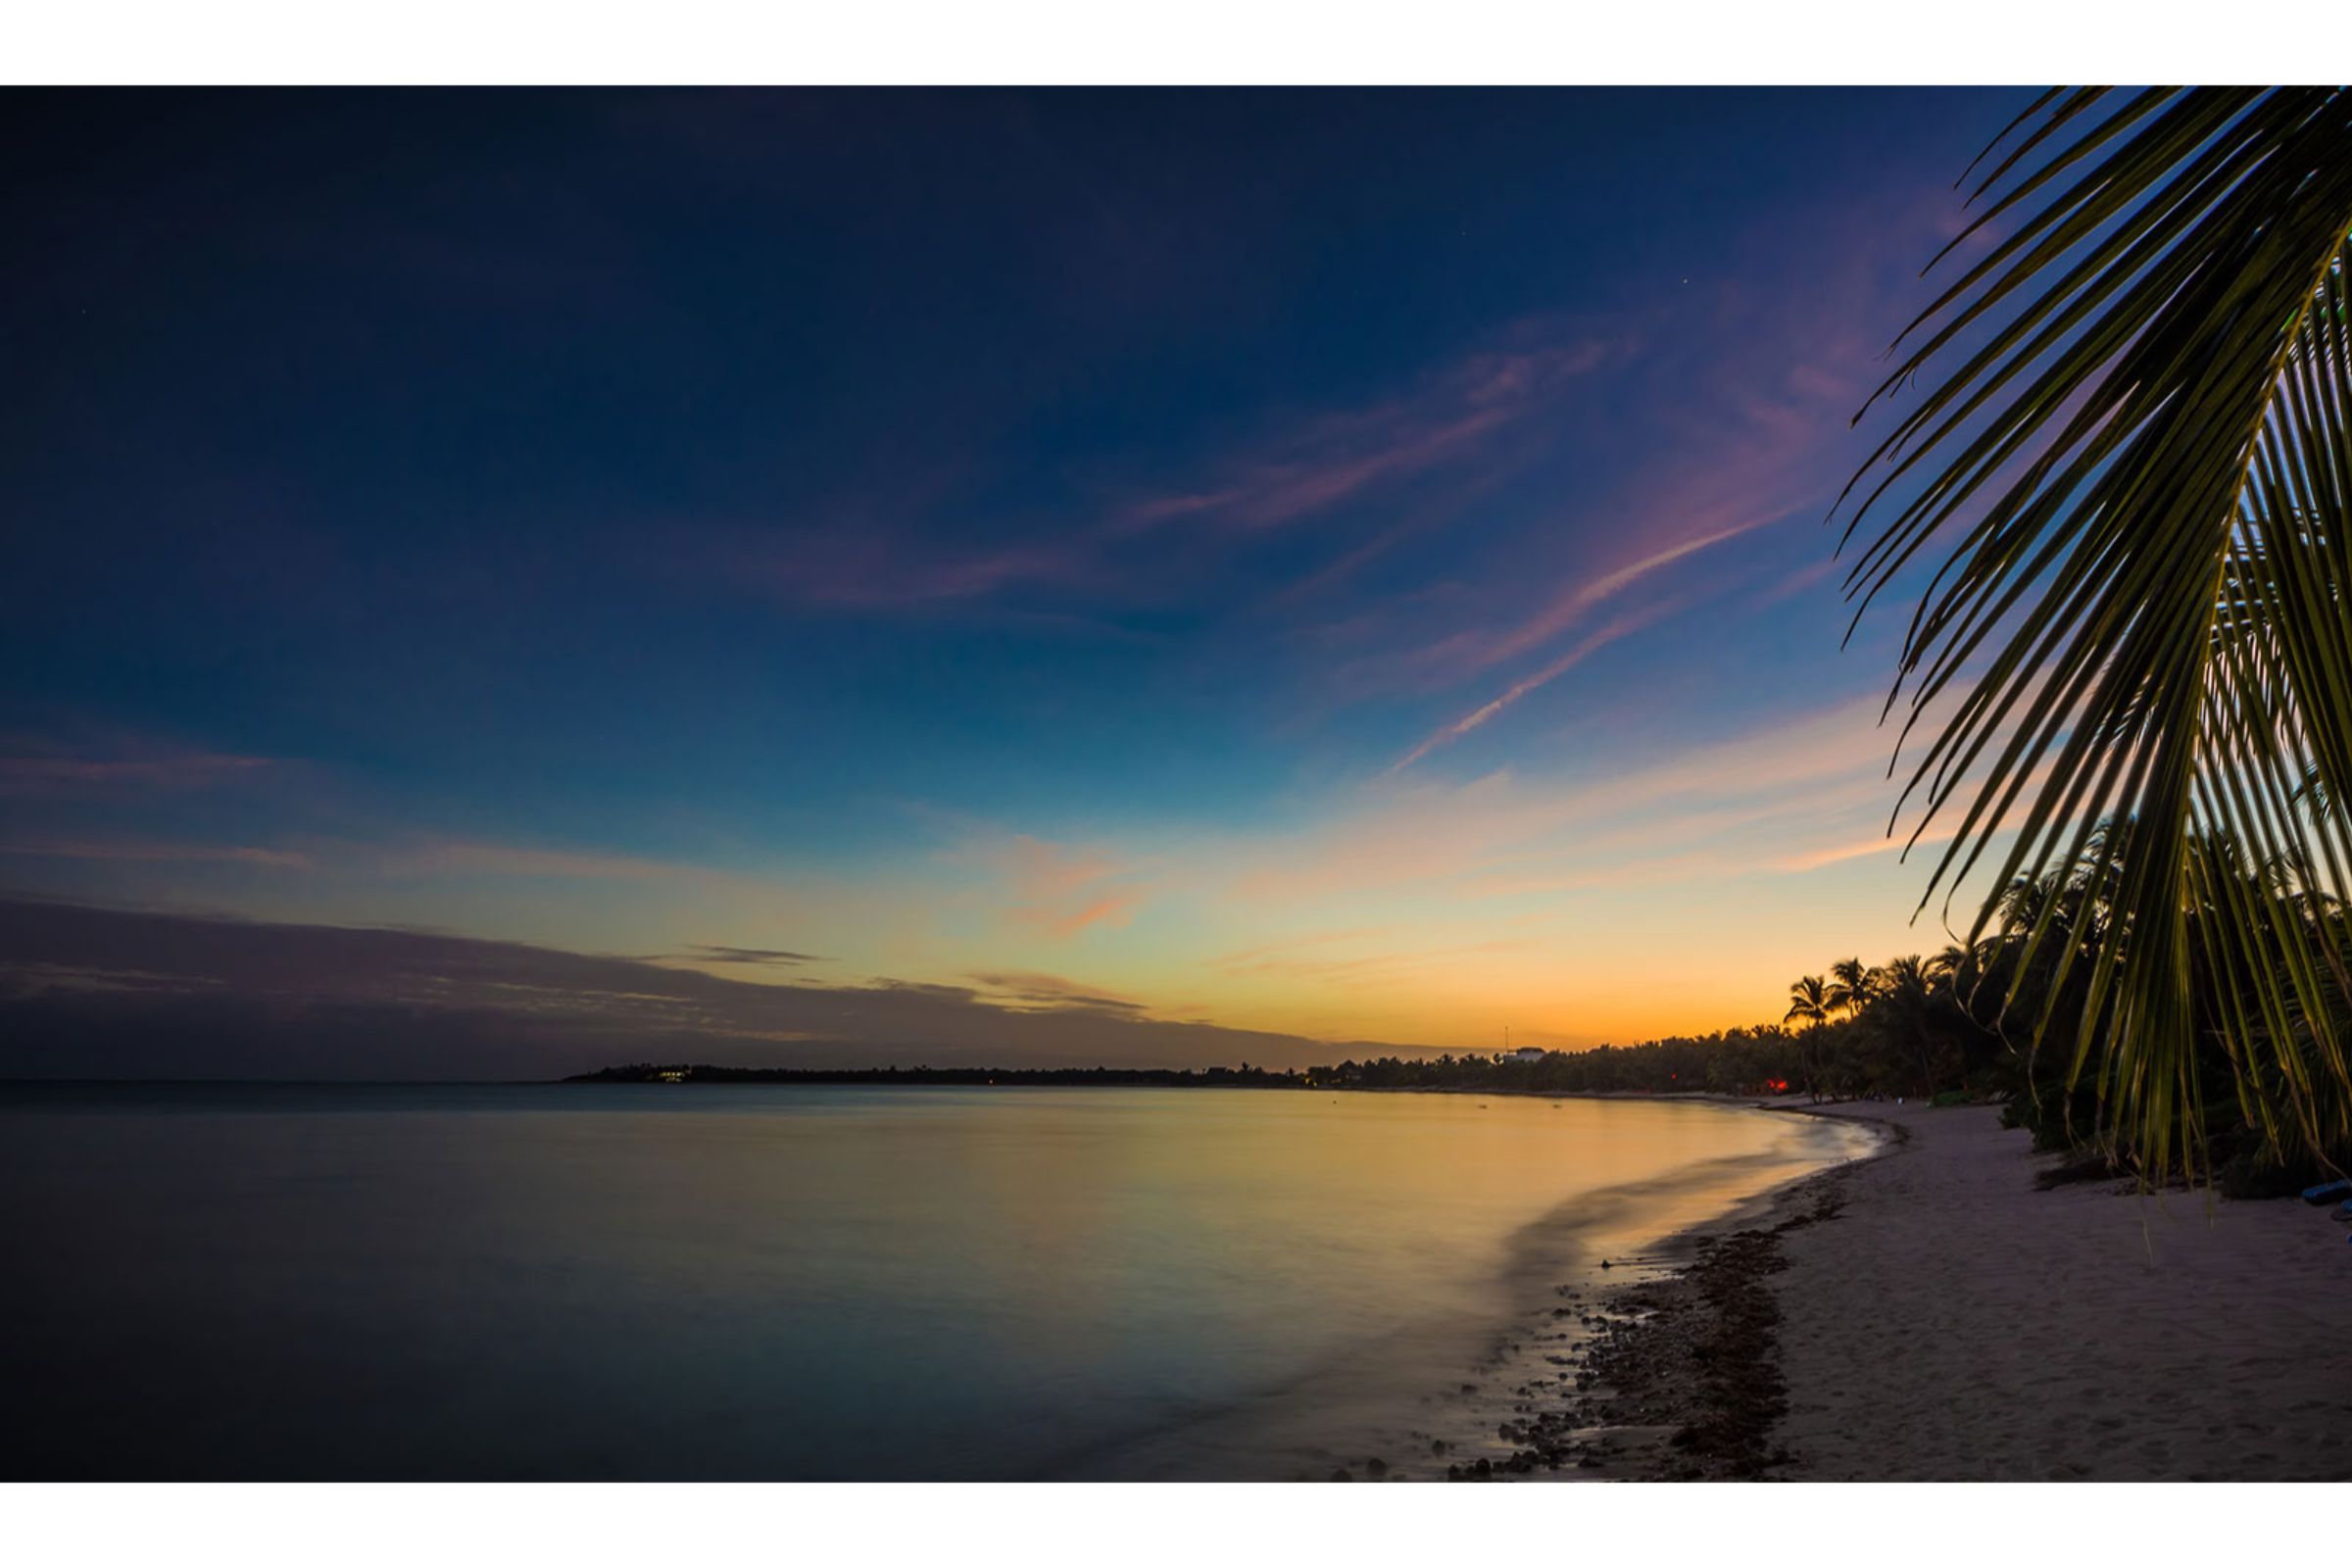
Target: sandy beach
<point>1929,1315</point>
<point>1954,1323</point>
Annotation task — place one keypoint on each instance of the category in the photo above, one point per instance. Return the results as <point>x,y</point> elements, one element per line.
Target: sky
<point>864,577</point>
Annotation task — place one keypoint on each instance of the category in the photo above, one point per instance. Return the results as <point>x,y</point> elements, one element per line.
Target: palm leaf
<point>2139,468</point>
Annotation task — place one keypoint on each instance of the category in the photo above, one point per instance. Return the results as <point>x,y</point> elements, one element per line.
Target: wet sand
<point>1929,1315</point>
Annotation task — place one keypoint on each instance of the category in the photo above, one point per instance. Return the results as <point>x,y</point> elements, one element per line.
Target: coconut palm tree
<point>1906,1012</point>
<point>1809,1002</point>
<point>1955,967</point>
<point>1852,986</point>
<point>2138,466</point>
<point>1809,1005</point>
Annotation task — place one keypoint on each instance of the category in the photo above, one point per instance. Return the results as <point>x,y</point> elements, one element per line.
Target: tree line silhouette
<point>2022,1010</point>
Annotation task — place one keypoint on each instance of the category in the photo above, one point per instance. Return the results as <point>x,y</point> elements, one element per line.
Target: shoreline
<point>1924,1312</point>
<point>1665,1381</point>
<point>1462,1400</point>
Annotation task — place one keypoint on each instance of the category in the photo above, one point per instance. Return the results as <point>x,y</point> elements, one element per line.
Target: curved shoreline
<point>1552,1352</point>
<point>1674,1378</point>
<point>1938,1316</point>
<point>1465,1413</point>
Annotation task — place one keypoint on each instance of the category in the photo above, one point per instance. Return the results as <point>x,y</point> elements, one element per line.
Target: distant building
<point>1529,1053</point>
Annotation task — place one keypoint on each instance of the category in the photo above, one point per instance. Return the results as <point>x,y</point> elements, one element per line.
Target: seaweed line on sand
<point>1681,1376</point>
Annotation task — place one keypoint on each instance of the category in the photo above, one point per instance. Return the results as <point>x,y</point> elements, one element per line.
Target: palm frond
<point>2142,466</point>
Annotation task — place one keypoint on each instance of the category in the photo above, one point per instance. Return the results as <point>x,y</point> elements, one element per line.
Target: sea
<point>765,1281</point>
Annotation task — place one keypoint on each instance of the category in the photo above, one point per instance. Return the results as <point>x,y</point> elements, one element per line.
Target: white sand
<point>1955,1324</point>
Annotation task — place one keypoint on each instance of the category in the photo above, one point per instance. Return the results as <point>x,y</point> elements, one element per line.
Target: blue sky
<point>1332,562</point>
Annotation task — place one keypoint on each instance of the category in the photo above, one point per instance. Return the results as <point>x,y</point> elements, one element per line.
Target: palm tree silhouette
<point>1852,986</point>
<point>1955,967</point>
<point>1809,1002</point>
<point>2140,461</point>
<point>1809,1005</point>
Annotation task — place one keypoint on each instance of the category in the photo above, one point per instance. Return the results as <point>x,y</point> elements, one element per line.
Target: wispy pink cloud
<point>1796,783</point>
<point>468,857</point>
<point>874,555</point>
<point>1572,605</point>
<point>1797,581</point>
<point>1447,735</point>
<point>1112,909</point>
<point>1289,491</point>
<point>1766,458</point>
<point>1318,463</point>
<point>141,851</point>
<point>1738,429</point>
<point>28,765</point>
<point>859,567</point>
<point>1060,890</point>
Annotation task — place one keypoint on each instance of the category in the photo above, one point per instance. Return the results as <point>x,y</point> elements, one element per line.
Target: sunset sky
<point>1331,565</point>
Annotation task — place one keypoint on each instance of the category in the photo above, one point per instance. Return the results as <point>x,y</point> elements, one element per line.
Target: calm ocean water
<point>772,1282</point>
